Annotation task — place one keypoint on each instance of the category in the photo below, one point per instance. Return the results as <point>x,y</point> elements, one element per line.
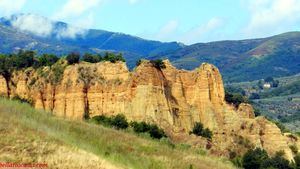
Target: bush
<point>138,62</point>
<point>113,58</point>
<point>277,162</point>
<point>156,132</point>
<point>73,58</point>
<point>158,63</point>
<point>47,60</point>
<point>199,130</point>
<point>119,121</point>
<point>91,58</point>
<point>253,159</point>
<point>235,98</point>
<point>141,127</point>
<point>152,129</point>
<point>23,59</point>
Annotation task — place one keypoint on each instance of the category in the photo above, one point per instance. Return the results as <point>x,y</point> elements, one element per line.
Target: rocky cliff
<point>173,99</point>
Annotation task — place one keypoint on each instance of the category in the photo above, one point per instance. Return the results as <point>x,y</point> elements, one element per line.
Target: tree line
<point>25,59</point>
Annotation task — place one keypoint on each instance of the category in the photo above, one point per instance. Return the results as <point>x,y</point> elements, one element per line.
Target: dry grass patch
<point>120,148</point>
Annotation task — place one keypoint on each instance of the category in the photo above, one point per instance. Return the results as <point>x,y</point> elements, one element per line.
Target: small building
<point>267,85</point>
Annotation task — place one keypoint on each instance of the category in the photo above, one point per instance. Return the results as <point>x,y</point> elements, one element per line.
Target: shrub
<point>152,129</point>
<point>253,159</point>
<point>47,60</point>
<point>235,98</point>
<point>73,58</point>
<point>156,132</point>
<point>113,58</point>
<point>138,62</point>
<point>23,59</point>
<point>199,130</point>
<point>277,162</point>
<point>141,127</point>
<point>158,63</point>
<point>119,121</point>
<point>91,58</point>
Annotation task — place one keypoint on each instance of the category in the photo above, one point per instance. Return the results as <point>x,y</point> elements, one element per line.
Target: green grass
<point>122,148</point>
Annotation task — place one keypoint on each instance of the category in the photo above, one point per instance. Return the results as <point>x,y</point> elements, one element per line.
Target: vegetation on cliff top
<point>123,149</point>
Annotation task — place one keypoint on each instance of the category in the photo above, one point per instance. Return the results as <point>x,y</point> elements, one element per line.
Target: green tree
<point>156,132</point>
<point>235,98</point>
<point>277,162</point>
<point>158,63</point>
<point>199,130</point>
<point>253,159</point>
<point>73,58</point>
<point>23,59</point>
<point>87,57</point>
<point>119,122</point>
<point>47,60</point>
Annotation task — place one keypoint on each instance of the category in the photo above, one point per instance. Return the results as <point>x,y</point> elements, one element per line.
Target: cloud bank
<point>44,27</point>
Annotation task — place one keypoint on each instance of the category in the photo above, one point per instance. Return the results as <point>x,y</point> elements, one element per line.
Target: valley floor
<point>30,136</point>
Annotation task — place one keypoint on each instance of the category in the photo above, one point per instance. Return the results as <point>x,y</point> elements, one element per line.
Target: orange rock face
<point>173,99</point>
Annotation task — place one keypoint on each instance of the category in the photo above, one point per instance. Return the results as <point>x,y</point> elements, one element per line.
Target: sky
<point>186,21</point>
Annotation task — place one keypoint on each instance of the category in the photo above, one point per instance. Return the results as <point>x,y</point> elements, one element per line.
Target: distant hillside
<point>245,60</point>
<point>239,60</point>
<point>281,103</point>
<point>92,40</point>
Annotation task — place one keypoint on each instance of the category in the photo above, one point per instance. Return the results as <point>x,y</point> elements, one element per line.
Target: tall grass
<point>121,148</point>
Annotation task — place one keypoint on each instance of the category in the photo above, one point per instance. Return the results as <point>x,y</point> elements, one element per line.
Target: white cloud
<point>8,7</point>
<point>71,32</point>
<point>272,16</point>
<point>42,26</point>
<point>73,8</point>
<point>167,31</point>
<point>35,24</point>
<point>200,32</point>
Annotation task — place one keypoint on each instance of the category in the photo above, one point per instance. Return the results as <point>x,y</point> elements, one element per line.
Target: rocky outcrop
<point>173,99</point>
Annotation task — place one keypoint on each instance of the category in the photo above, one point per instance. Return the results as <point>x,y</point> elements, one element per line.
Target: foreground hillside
<point>155,92</point>
<point>30,136</point>
<point>244,60</point>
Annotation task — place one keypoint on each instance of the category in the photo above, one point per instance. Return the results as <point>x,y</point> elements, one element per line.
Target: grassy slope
<point>33,136</point>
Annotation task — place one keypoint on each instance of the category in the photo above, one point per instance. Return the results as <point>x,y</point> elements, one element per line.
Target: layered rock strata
<point>173,99</point>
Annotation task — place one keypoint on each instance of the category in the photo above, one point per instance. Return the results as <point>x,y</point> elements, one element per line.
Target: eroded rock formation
<point>173,99</point>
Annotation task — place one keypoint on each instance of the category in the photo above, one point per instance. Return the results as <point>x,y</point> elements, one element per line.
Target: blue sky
<point>187,21</point>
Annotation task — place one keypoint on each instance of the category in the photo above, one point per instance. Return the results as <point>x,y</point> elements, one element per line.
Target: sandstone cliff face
<point>173,99</point>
